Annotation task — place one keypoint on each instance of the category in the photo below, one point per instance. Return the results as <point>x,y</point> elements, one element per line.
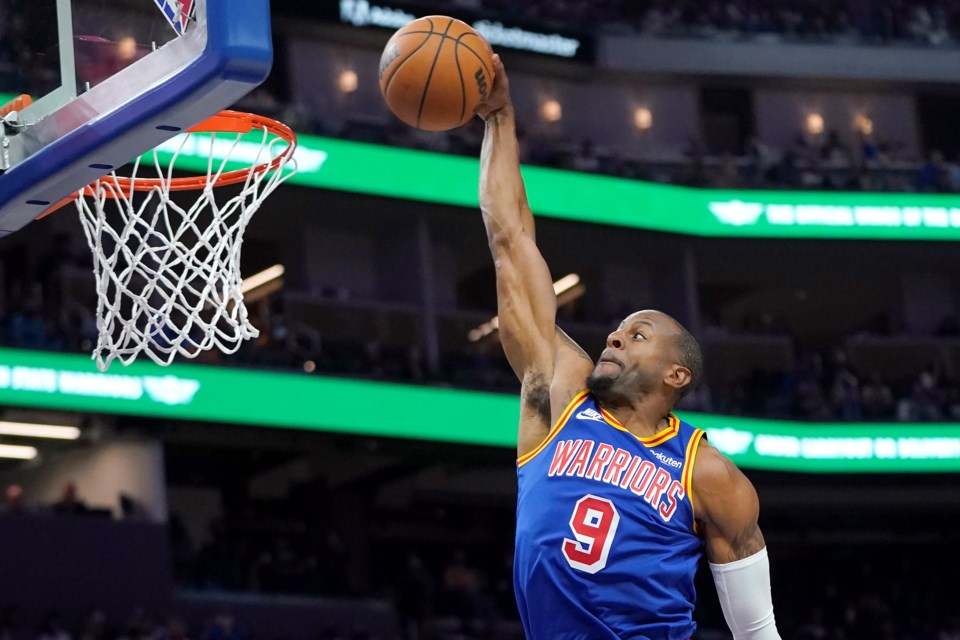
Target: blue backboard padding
<point>237,57</point>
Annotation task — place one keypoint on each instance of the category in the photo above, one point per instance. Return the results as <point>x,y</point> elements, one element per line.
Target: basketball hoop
<point>168,275</point>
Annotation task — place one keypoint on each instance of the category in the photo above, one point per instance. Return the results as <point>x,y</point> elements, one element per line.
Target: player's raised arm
<point>727,511</point>
<point>526,302</point>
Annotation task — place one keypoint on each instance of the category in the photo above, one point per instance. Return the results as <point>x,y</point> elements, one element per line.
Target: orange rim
<point>224,122</point>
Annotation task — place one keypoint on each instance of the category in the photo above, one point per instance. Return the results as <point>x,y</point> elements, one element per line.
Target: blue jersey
<point>606,546</point>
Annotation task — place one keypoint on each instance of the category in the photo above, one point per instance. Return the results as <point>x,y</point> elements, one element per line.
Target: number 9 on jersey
<point>594,524</point>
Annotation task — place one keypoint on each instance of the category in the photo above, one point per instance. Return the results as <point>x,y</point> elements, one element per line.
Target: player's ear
<point>678,376</point>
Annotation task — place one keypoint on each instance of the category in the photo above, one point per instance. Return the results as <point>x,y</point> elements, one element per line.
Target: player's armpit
<point>535,412</point>
<point>535,394</point>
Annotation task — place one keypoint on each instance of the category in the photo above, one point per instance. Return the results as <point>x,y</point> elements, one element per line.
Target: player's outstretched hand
<point>500,92</point>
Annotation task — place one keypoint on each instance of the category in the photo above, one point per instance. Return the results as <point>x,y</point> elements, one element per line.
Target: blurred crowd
<point>17,502</point>
<point>819,389</point>
<point>813,162</point>
<point>822,162</point>
<point>929,23</point>
<point>140,624</point>
<point>453,589</point>
<point>822,383</point>
<point>449,588</point>
<point>447,570</point>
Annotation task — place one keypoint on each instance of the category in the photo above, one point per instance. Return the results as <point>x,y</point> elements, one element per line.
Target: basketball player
<point>618,498</point>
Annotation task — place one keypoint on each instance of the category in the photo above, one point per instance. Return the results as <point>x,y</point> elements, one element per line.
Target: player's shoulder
<point>713,467</point>
<point>718,484</point>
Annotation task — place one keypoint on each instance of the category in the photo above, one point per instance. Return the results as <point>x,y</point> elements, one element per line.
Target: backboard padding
<point>195,75</point>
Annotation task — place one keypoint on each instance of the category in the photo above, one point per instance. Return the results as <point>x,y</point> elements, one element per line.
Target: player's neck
<point>643,417</point>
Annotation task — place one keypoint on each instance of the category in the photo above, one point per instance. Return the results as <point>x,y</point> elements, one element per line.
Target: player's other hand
<point>500,92</point>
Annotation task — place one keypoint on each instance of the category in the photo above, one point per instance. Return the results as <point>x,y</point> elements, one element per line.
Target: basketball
<point>435,72</point>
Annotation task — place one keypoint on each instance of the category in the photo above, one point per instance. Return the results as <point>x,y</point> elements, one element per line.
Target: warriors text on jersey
<point>606,546</point>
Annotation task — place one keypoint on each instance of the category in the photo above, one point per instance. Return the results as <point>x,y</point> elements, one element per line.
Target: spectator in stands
<point>586,158</point>
<point>415,594</point>
<point>877,399</point>
<point>69,504</point>
<point>728,175</point>
<point>846,395</point>
<point>834,150</point>
<point>928,397</point>
<point>761,163</point>
<point>933,176</point>
<point>13,500</point>
<point>462,591</point>
<point>27,328</point>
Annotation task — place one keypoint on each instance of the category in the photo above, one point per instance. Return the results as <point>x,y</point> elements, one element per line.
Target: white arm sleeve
<point>744,590</point>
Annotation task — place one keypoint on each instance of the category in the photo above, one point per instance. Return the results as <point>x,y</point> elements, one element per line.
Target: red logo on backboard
<point>176,12</point>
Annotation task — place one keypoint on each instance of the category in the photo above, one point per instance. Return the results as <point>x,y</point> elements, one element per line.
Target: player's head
<point>649,353</point>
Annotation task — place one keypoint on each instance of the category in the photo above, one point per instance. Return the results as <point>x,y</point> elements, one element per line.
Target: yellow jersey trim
<point>686,478</point>
<point>562,420</point>
<point>672,429</point>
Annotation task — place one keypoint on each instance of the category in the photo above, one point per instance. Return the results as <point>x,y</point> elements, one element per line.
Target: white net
<point>168,276</point>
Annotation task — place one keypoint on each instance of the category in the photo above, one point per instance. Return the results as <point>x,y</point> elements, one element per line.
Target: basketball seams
<point>426,86</point>
<point>434,106</point>
<point>459,41</point>
<point>463,84</point>
<point>471,50</point>
<point>386,86</point>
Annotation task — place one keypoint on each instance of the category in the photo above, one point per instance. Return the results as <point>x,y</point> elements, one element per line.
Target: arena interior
<point>782,176</point>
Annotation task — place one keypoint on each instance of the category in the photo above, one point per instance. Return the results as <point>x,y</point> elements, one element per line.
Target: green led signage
<point>431,177</point>
<point>217,394</point>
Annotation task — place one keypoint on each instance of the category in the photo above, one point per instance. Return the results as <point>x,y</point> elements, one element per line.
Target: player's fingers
<point>499,73</point>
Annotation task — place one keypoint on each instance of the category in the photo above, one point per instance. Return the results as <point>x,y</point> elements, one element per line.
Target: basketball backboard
<point>109,80</point>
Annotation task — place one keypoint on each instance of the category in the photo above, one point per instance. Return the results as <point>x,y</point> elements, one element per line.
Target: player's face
<point>639,354</point>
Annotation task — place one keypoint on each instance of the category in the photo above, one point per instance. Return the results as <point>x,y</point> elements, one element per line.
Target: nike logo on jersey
<point>618,467</point>
<point>590,414</point>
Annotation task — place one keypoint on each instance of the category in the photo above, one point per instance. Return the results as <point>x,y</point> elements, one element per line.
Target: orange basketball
<point>435,72</point>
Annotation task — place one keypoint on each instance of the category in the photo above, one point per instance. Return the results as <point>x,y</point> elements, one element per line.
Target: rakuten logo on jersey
<point>667,460</point>
<point>618,467</point>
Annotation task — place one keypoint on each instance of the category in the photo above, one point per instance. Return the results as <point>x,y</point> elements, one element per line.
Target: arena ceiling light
<point>30,430</point>
<point>567,289</point>
<point>347,81</point>
<point>643,119</point>
<point>259,279</point>
<point>17,453</point>
<point>815,123</point>
<point>551,111</point>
